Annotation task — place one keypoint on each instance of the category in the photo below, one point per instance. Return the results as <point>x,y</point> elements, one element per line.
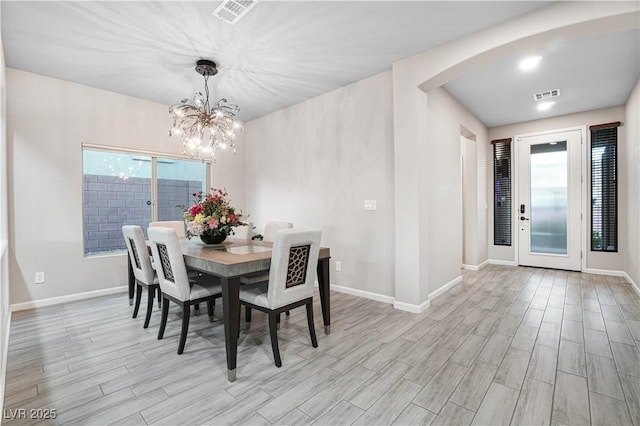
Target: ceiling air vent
<point>232,10</point>
<point>546,95</point>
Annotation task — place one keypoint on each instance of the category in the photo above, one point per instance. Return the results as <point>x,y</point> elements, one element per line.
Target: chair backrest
<point>176,225</point>
<point>138,253</point>
<point>293,266</point>
<point>271,228</point>
<point>170,267</point>
<point>243,232</point>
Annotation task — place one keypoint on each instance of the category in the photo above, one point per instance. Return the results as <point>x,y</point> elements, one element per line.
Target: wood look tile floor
<point>507,346</point>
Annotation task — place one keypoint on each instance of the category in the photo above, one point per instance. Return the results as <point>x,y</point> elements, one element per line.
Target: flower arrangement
<point>211,217</point>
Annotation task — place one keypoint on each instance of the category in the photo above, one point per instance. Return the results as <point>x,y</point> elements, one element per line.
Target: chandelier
<point>205,128</point>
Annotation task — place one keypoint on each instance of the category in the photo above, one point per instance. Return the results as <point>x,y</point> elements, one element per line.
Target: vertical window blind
<point>604,187</point>
<point>502,192</point>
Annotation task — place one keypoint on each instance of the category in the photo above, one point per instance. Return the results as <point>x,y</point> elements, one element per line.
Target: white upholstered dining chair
<point>143,270</point>
<point>243,232</point>
<point>270,231</point>
<point>175,283</point>
<point>176,225</point>
<point>179,227</point>
<point>271,228</point>
<point>291,282</point>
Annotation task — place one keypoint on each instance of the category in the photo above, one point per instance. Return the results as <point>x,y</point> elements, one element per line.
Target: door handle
<point>524,218</point>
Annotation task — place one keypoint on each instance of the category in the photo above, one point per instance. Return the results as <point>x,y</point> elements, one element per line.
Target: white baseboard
<point>475,267</point>
<point>502,262</point>
<point>5,354</point>
<point>454,282</point>
<point>633,283</point>
<point>362,293</point>
<point>609,272</point>
<point>409,307</point>
<point>69,298</point>
<point>613,273</point>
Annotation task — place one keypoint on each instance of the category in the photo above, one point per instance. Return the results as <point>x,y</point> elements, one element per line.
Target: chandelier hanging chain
<point>204,128</point>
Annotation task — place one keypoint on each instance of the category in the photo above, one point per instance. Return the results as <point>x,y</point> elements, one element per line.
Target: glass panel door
<point>549,198</point>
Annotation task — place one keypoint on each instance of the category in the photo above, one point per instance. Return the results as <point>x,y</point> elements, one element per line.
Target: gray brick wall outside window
<point>110,202</point>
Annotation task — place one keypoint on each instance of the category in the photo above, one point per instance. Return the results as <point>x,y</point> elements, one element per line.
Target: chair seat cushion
<point>200,290</point>
<point>204,286</point>
<point>154,282</point>
<point>256,294</point>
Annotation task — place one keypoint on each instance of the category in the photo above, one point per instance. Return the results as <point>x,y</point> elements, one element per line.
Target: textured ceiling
<point>279,54</point>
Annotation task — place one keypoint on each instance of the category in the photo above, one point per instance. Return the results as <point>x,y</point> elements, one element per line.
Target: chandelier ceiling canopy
<point>205,128</point>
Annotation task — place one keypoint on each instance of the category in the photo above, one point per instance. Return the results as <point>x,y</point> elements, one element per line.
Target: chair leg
<point>159,298</point>
<point>151,291</point>
<point>247,316</point>
<point>288,313</point>
<point>274,338</point>
<point>138,297</point>
<point>312,328</point>
<point>278,322</point>
<point>186,313</point>
<point>163,320</point>
<point>197,309</point>
<point>210,303</point>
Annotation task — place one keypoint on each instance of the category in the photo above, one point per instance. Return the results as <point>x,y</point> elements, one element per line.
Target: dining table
<point>230,261</point>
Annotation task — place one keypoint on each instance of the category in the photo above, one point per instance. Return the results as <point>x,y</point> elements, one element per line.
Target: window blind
<point>502,192</point>
<point>604,187</point>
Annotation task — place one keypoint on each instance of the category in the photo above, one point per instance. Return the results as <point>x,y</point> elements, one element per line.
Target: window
<point>129,188</point>
<point>502,192</point>
<point>604,187</point>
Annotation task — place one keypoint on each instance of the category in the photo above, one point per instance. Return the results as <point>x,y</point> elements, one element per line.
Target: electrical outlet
<point>370,204</point>
<point>39,277</point>
<point>338,266</point>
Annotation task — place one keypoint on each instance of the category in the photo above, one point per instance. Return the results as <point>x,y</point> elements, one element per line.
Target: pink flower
<point>232,217</point>
<point>213,224</point>
<point>196,209</point>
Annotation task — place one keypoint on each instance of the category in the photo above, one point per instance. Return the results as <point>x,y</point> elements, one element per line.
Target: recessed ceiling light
<point>527,64</point>
<point>543,106</point>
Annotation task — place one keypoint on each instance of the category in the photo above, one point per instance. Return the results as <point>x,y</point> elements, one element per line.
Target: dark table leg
<point>231,306</point>
<point>132,280</point>
<point>323,286</point>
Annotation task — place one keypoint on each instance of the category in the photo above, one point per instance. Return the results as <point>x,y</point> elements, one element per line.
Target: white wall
<point>4,249</point>
<point>595,260</point>
<point>631,130</point>
<point>314,164</point>
<point>469,201</point>
<point>443,202</point>
<point>48,120</point>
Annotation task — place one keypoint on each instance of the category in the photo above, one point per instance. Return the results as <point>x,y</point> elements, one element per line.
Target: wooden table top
<point>232,257</point>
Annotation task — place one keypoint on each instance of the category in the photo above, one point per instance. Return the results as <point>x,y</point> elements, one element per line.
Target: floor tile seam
<point>615,363</point>
<point>485,392</point>
<point>78,380</point>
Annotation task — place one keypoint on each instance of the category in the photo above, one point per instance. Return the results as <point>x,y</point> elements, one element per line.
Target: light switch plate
<point>370,204</point>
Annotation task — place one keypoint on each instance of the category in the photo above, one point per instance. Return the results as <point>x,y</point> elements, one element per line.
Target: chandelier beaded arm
<point>205,128</point>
